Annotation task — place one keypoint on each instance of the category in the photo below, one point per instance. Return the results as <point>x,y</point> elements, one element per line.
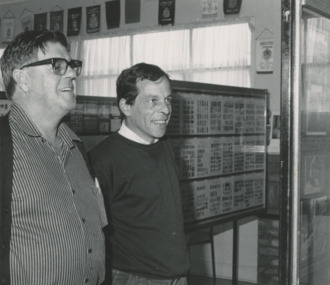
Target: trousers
<point>124,278</point>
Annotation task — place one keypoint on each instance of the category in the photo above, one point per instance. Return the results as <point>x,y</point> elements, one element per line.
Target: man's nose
<point>165,107</point>
<point>71,72</point>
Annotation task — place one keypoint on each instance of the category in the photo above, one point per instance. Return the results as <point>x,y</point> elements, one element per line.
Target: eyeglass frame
<point>53,60</point>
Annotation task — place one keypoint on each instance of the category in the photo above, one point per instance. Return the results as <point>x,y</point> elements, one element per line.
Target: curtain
<point>103,60</point>
<point>219,54</point>
<point>224,52</point>
<point>169,50</point>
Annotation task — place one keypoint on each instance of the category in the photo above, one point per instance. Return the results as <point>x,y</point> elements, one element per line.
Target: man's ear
<point>21,79</point>
<point>125,108</point>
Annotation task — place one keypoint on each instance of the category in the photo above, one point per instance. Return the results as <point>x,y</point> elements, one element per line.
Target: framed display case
<point>220,141</point>
<point>94,115</point>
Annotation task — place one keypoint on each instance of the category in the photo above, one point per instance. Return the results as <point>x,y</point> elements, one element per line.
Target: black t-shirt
<point>142,196</point>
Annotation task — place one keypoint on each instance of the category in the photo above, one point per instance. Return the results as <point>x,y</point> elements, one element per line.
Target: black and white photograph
<point>164,142</point>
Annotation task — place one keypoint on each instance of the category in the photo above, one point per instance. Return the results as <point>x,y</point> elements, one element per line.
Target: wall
<point>262,14</point>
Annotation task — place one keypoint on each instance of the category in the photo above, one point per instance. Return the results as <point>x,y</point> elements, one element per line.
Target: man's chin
<point>70,105</point>
<point>159,135</point>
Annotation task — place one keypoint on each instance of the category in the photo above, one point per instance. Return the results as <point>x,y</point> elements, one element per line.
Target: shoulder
<point>105,147</point>
<point>165,141</point>
<point>106,155</point>
<point>167,145</point>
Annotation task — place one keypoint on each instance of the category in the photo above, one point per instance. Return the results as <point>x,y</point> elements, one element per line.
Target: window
<point>170,50</point>
<point>222,55</point>
<point>214,54</point>
<point>103,60</point>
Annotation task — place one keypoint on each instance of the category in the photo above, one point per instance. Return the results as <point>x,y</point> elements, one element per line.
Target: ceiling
<point>10,1</point>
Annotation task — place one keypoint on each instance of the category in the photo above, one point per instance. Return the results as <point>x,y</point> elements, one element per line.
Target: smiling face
<point>148,117</point>
<point>55,94</point>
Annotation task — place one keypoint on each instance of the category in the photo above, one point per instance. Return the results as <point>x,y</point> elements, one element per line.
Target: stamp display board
<point>219,139</point>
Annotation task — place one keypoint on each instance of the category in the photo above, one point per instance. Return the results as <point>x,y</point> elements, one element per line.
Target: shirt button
<point>83,220</point>
<point>43,140</point>
<point>73,191</point>
<point>89,250</point>
<point>86,280</point>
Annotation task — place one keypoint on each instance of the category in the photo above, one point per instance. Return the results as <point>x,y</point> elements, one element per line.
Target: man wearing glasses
<point>52,213</point>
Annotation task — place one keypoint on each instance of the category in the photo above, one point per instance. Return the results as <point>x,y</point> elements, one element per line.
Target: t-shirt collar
<point>129,134</point>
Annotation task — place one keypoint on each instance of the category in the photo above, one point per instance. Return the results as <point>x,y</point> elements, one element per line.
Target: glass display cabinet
<point>305,144</point>
<point>314,221</point>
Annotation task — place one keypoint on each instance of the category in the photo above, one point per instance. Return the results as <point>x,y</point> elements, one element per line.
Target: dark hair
<point>126,82</point>
<point>23,50</point>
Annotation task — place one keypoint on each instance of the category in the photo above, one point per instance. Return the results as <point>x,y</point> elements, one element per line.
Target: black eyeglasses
<point>60,65</point>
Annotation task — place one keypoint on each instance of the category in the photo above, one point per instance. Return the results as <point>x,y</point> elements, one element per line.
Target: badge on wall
<point>166,12</point>
<point>231,6</point>
<point>40,22</point>
<point>7,29</point>
<point>74,21</point>
<point>264,55</point>
<point>93,19</point>
<point>56,21</point>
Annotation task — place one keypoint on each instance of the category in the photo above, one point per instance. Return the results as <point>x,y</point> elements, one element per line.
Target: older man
<point>52,213</point>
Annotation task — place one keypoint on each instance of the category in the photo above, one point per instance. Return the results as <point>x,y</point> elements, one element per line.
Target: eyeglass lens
<point>60,66</point>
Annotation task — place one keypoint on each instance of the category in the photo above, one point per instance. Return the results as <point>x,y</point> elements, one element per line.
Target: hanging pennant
<point>40,22</point>
<point>264,55</point>
<point>74,21</point>
<point>27,23</point>
<point>265,52</point>
<point>27,20</point>
<point>166,12</point>
<point>231,6</point>
<point>93,19</point>
<point>56,21</point>
<point>209,8</point>
<point>7,29</point>
<point>132,11</point>
<point>112,14</point>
